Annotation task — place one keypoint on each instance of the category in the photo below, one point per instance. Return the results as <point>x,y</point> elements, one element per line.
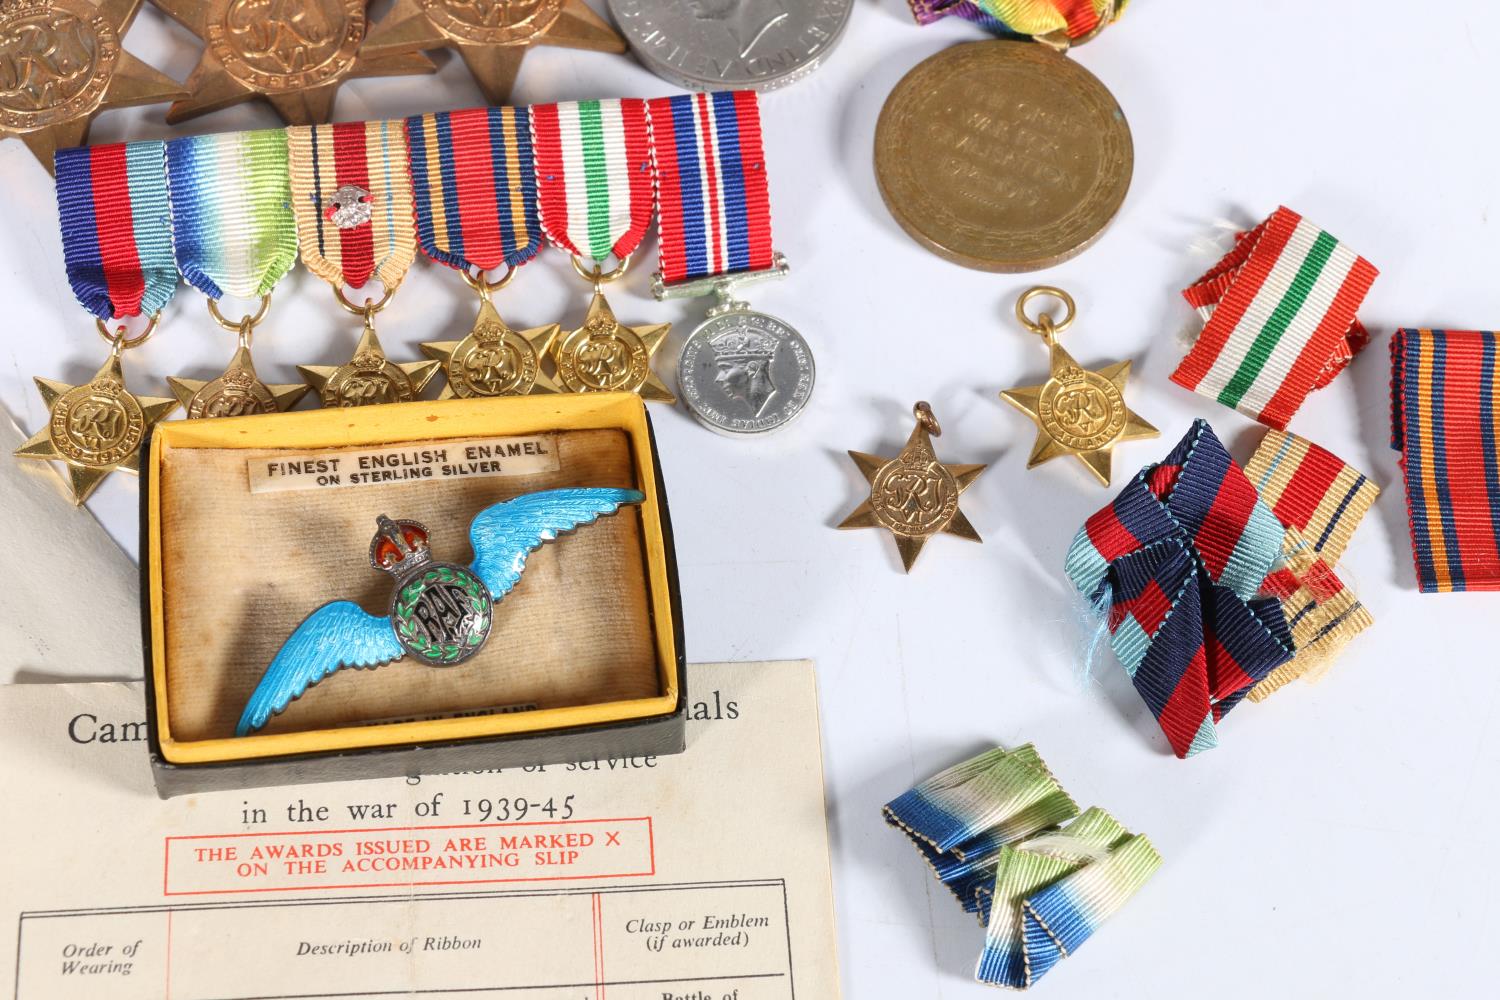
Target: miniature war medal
<point>1077,412</point>
<point>491,36</point>
<point>914,496</point>
<point>740,372</point>
<point>351,195</point>
<point>475,188</point>
<point>594,180</point>
<point>293,53</point>
<point>440,613</point>
<point>117,246</point>
<point>233,234</point>
<point>61,63</point>
<point>1006,155</point>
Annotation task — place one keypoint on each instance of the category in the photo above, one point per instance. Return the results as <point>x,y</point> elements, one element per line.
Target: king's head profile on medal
<point>743,358</point>
<point>440,613</point>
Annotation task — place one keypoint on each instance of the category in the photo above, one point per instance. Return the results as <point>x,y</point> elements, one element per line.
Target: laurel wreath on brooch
<point>406,606</point>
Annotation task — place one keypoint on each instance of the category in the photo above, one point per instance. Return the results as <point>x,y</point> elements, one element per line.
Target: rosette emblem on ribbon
<point>233,234</point>
<point>117,246</point>
<point>474,185</point>
<point>352,198</point>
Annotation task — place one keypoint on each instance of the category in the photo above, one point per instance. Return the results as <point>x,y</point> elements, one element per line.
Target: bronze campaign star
<point>605,355</point>
<point>294,53</point>
<point>914,496</point>
<point>62,63</point>
<point>94,428</point>
<point>491,36</point>
<point>1080,412</point>
<point>237,392</point>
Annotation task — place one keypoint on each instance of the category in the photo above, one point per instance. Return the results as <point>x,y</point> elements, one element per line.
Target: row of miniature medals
<point>97,427</point>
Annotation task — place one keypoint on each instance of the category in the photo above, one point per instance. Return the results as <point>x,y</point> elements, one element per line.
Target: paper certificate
<point>702,876</point>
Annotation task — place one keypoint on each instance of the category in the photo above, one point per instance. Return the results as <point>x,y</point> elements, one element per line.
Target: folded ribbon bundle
<point>1218,585</point>
<point>1444,402</point>
<point>989,827</point>
<point>1280,310</point>
<point>1321,500</point>
<point>1077,19</point>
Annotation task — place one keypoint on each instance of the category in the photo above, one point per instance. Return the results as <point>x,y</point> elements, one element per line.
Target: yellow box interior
<point>629,552</point>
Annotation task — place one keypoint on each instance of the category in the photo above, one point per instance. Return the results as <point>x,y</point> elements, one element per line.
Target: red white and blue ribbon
<point>712,193</point>
<point>474,187</point>
<point>594,177</point>
<point>1177,563</point>
<point>116,227</point>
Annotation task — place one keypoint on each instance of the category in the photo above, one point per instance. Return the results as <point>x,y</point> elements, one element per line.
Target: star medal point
<point>1076,411</point>
<point>499,175</point>
<point>605,355</point>
<point>491,36</point>
<point>95,427</point>
<point>914,496</point>
<point>369,377</point>
<point>63,63</point>
<point>293,53</point>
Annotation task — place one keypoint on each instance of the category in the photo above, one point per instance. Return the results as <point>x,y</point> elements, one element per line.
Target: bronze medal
<point>61,63</point>
<point>294,53</point>
<point>605,355</point>
<point>494,360</point>
<point>1003,156</point>
<point>1076,411</point>
<point>369,377</point>
<point>914,496</point>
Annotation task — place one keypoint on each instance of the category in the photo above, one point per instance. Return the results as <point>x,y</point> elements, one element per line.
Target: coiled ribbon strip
<point>1178,561</point>
<point>474,186</point>
<point>1444,407</point>
<point>116,227</point>
<point>1053,891</point>
<point>1280,310</point>
<point>960,819</point>
<point>715,200</point>
<point>232,223</point>
<point>1079,19</point>
<point>594,176</point>
<point>989,827</point>
<point>1321,500</point>
<point>351,195</point>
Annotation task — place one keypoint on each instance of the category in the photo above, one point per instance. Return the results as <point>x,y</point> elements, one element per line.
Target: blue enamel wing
<point>441,613</point>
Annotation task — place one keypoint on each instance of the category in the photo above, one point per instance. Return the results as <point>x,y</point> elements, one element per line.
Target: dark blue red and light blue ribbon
<point>474,186</point>
<point>713,198</point>
<point>116,227</point>
<point>1177,562</point>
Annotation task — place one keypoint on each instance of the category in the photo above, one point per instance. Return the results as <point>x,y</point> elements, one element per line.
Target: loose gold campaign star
<point>491,36</point>
<point>236,393</point>
<point>294,53</point>
<point>94,428</point>
<point>369,377</point>
<point>914,496</point>
<point>605,355</point>
<point>494,360</point>
<point>61,63</point>
<point>1076,411</point>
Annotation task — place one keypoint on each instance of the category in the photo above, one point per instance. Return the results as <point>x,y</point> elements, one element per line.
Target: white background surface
<point>1338,840</point>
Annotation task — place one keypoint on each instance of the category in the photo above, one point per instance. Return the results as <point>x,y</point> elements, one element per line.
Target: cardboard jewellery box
<point>249,524</point>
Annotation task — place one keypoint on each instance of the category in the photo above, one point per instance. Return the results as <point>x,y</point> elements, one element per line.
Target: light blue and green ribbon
<point>233,228</point>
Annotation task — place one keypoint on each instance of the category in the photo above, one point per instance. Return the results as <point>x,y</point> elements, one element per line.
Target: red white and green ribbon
<point>594,178</point>
<point>232,225</point>
<point>351,194</point>
<point>1280,310</point>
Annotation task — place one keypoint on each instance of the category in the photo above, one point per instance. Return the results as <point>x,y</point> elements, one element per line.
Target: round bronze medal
<point>1003,156</point>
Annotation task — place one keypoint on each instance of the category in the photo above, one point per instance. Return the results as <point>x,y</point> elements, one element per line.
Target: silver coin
<point>719,44</point>
<point>744,372</point>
